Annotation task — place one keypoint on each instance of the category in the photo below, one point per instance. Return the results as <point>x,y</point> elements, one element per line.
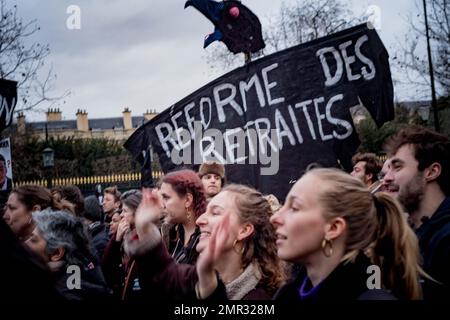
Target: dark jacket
<point>162,278</point>
<point>99,235</point>
<point>434,242</point>
<point>92,284</point>
<point>8,185</point>
<point>120,272</point>
<point>181,253</point>
<point>22,274</point>
<point>346,282</point>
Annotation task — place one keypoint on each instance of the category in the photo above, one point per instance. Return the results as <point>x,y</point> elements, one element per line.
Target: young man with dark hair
<point>212,175</point>
<point>111,202</point>
<point>366,167</point>
<point>419,176</point>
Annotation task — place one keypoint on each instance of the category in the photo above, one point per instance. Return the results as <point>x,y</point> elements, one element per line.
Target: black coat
<point>121,272</point>
<point>347,282</point>
<point>163,279</point>
<point>434,242</point>
<point>22,275</point>
<point>181,253</point>
<point>8,184</point>
<point>92,284</point>
<point>99,235</point>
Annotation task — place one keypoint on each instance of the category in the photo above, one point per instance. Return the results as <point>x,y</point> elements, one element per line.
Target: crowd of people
<point>195,237</point>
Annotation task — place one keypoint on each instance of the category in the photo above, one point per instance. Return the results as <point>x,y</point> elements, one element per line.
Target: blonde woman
<point>342,235</point>
<point>247,263</point>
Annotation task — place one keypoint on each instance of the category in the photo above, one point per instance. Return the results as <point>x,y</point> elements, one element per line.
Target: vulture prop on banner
<point>235,25</point>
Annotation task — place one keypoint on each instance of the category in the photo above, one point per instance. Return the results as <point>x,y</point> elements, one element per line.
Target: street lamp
<point>48,158</point>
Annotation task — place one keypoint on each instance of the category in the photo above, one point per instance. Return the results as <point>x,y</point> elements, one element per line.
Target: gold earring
<point>327,243</point>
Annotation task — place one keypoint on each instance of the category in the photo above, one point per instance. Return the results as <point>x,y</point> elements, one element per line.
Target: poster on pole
<point>8,101</point>
<point>270,119</point>
<point>6,175</point>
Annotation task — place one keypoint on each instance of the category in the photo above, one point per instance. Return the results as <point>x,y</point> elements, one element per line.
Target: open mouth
<point>280,239</point>
<point>280,236</point>
<point>204,234</point>
<point>392,188</point>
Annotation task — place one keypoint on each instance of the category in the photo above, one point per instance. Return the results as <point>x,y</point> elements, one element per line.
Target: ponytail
<point>377,226</point>
<point>396,249</point>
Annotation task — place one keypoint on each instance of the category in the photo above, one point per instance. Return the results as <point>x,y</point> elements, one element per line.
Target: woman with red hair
<point>184,201</point>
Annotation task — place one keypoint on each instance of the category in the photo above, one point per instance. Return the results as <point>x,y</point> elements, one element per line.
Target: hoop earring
<point>234,247</point>
<point>327,243</point>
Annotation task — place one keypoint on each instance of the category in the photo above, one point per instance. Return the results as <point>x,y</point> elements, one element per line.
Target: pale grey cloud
<point>144,54</point>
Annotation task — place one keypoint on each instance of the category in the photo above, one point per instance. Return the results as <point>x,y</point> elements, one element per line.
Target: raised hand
<point>146,235</point>
<point>209,255</point>
<point>122,229</point>
<point>148,212</point>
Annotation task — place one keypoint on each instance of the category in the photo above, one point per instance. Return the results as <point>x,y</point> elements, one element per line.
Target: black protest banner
<point>8,100</point>
<point>271,118</point>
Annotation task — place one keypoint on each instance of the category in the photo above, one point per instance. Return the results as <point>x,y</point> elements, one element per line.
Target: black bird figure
<point>235,25</point>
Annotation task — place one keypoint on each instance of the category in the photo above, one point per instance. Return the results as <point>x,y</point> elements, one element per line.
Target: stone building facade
<point>119,128</point>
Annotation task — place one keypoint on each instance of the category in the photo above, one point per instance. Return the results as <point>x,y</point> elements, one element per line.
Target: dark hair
<point>187,181</point>
<point>32,195</point>
<point>2,158</point>
<point>428,147</point>
<point>72,194</point>
<point>92,209</point>
<point>373,165</point>
<point>114,191</point>
<point>131,198</point>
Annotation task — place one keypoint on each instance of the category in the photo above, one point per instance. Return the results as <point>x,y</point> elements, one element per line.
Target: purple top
<point>306,290</point>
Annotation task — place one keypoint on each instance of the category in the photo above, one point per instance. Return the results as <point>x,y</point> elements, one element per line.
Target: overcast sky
<point>147,54</point>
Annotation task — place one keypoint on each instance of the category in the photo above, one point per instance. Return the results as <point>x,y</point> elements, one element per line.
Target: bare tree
<point>298,22</point>
<point>24,62</point>
<point>307,20</point>
<point>411,58</point>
